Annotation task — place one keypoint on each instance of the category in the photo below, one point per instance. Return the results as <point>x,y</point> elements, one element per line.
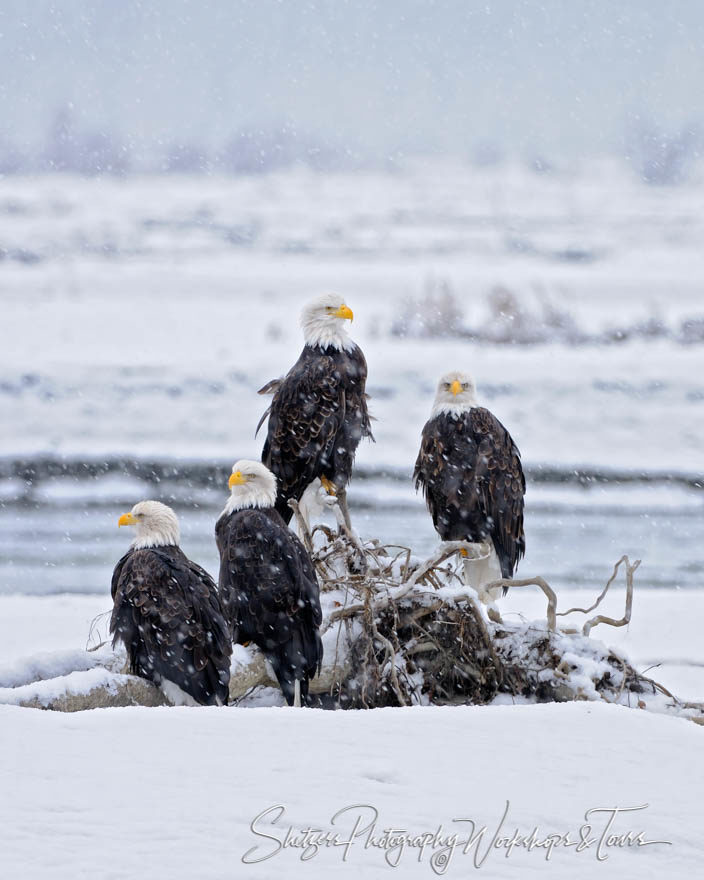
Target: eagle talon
<point>328,486</point>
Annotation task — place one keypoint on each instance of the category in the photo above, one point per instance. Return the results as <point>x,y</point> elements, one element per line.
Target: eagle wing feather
<point>167,612</point>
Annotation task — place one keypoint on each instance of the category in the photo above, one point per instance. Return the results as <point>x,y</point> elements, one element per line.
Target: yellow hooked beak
<point>344,312</point>
<point>127,520</point>
<point>236,479</point>
<point>456,387</point>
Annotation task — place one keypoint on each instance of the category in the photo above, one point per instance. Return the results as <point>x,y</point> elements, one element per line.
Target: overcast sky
<point>555,77</point>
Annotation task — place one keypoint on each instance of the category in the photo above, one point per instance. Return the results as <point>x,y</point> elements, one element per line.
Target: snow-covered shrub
<point>692,331</point>
<point>69,148</point>
<point>532,318</point>
<point>664,158</point>
<point>434,315</point>
<point>259,150</point>
<point>185,158</point>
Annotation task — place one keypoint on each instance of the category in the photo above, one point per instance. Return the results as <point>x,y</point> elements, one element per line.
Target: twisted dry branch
<point>626,619</point>
<point>530,582</point>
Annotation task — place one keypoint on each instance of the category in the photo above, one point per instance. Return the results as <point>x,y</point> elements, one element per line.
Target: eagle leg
<point>342,503</point>
<point>481,570</point>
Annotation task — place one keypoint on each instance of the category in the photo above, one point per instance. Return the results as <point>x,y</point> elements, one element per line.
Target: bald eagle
<point>167,612</point>
<point>470,471</point>
<point>268,586</point>
<point>319,411</point>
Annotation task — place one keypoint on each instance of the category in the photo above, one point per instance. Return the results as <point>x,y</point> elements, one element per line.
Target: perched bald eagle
<point>319,411</point>
<point>470,471</point>
<point>167,612</point>
<point>267,581</point>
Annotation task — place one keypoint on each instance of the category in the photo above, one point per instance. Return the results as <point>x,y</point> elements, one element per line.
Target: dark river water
<point>62,536</point>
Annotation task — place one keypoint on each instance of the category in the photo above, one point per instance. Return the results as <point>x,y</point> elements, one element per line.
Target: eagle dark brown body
<point>270,594</point>
<point>471,475</point>
<point>316,420</point>
<point>168,615</point>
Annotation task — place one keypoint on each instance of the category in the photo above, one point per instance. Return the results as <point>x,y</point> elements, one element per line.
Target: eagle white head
<point>323,321</point>
<point>251,485</point>
<point>456,394</point>
<point>156,524</point>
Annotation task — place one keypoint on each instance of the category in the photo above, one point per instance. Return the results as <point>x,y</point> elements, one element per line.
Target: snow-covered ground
<point>636,407</point>
<point>178,793</point>
<point>175,793</point>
